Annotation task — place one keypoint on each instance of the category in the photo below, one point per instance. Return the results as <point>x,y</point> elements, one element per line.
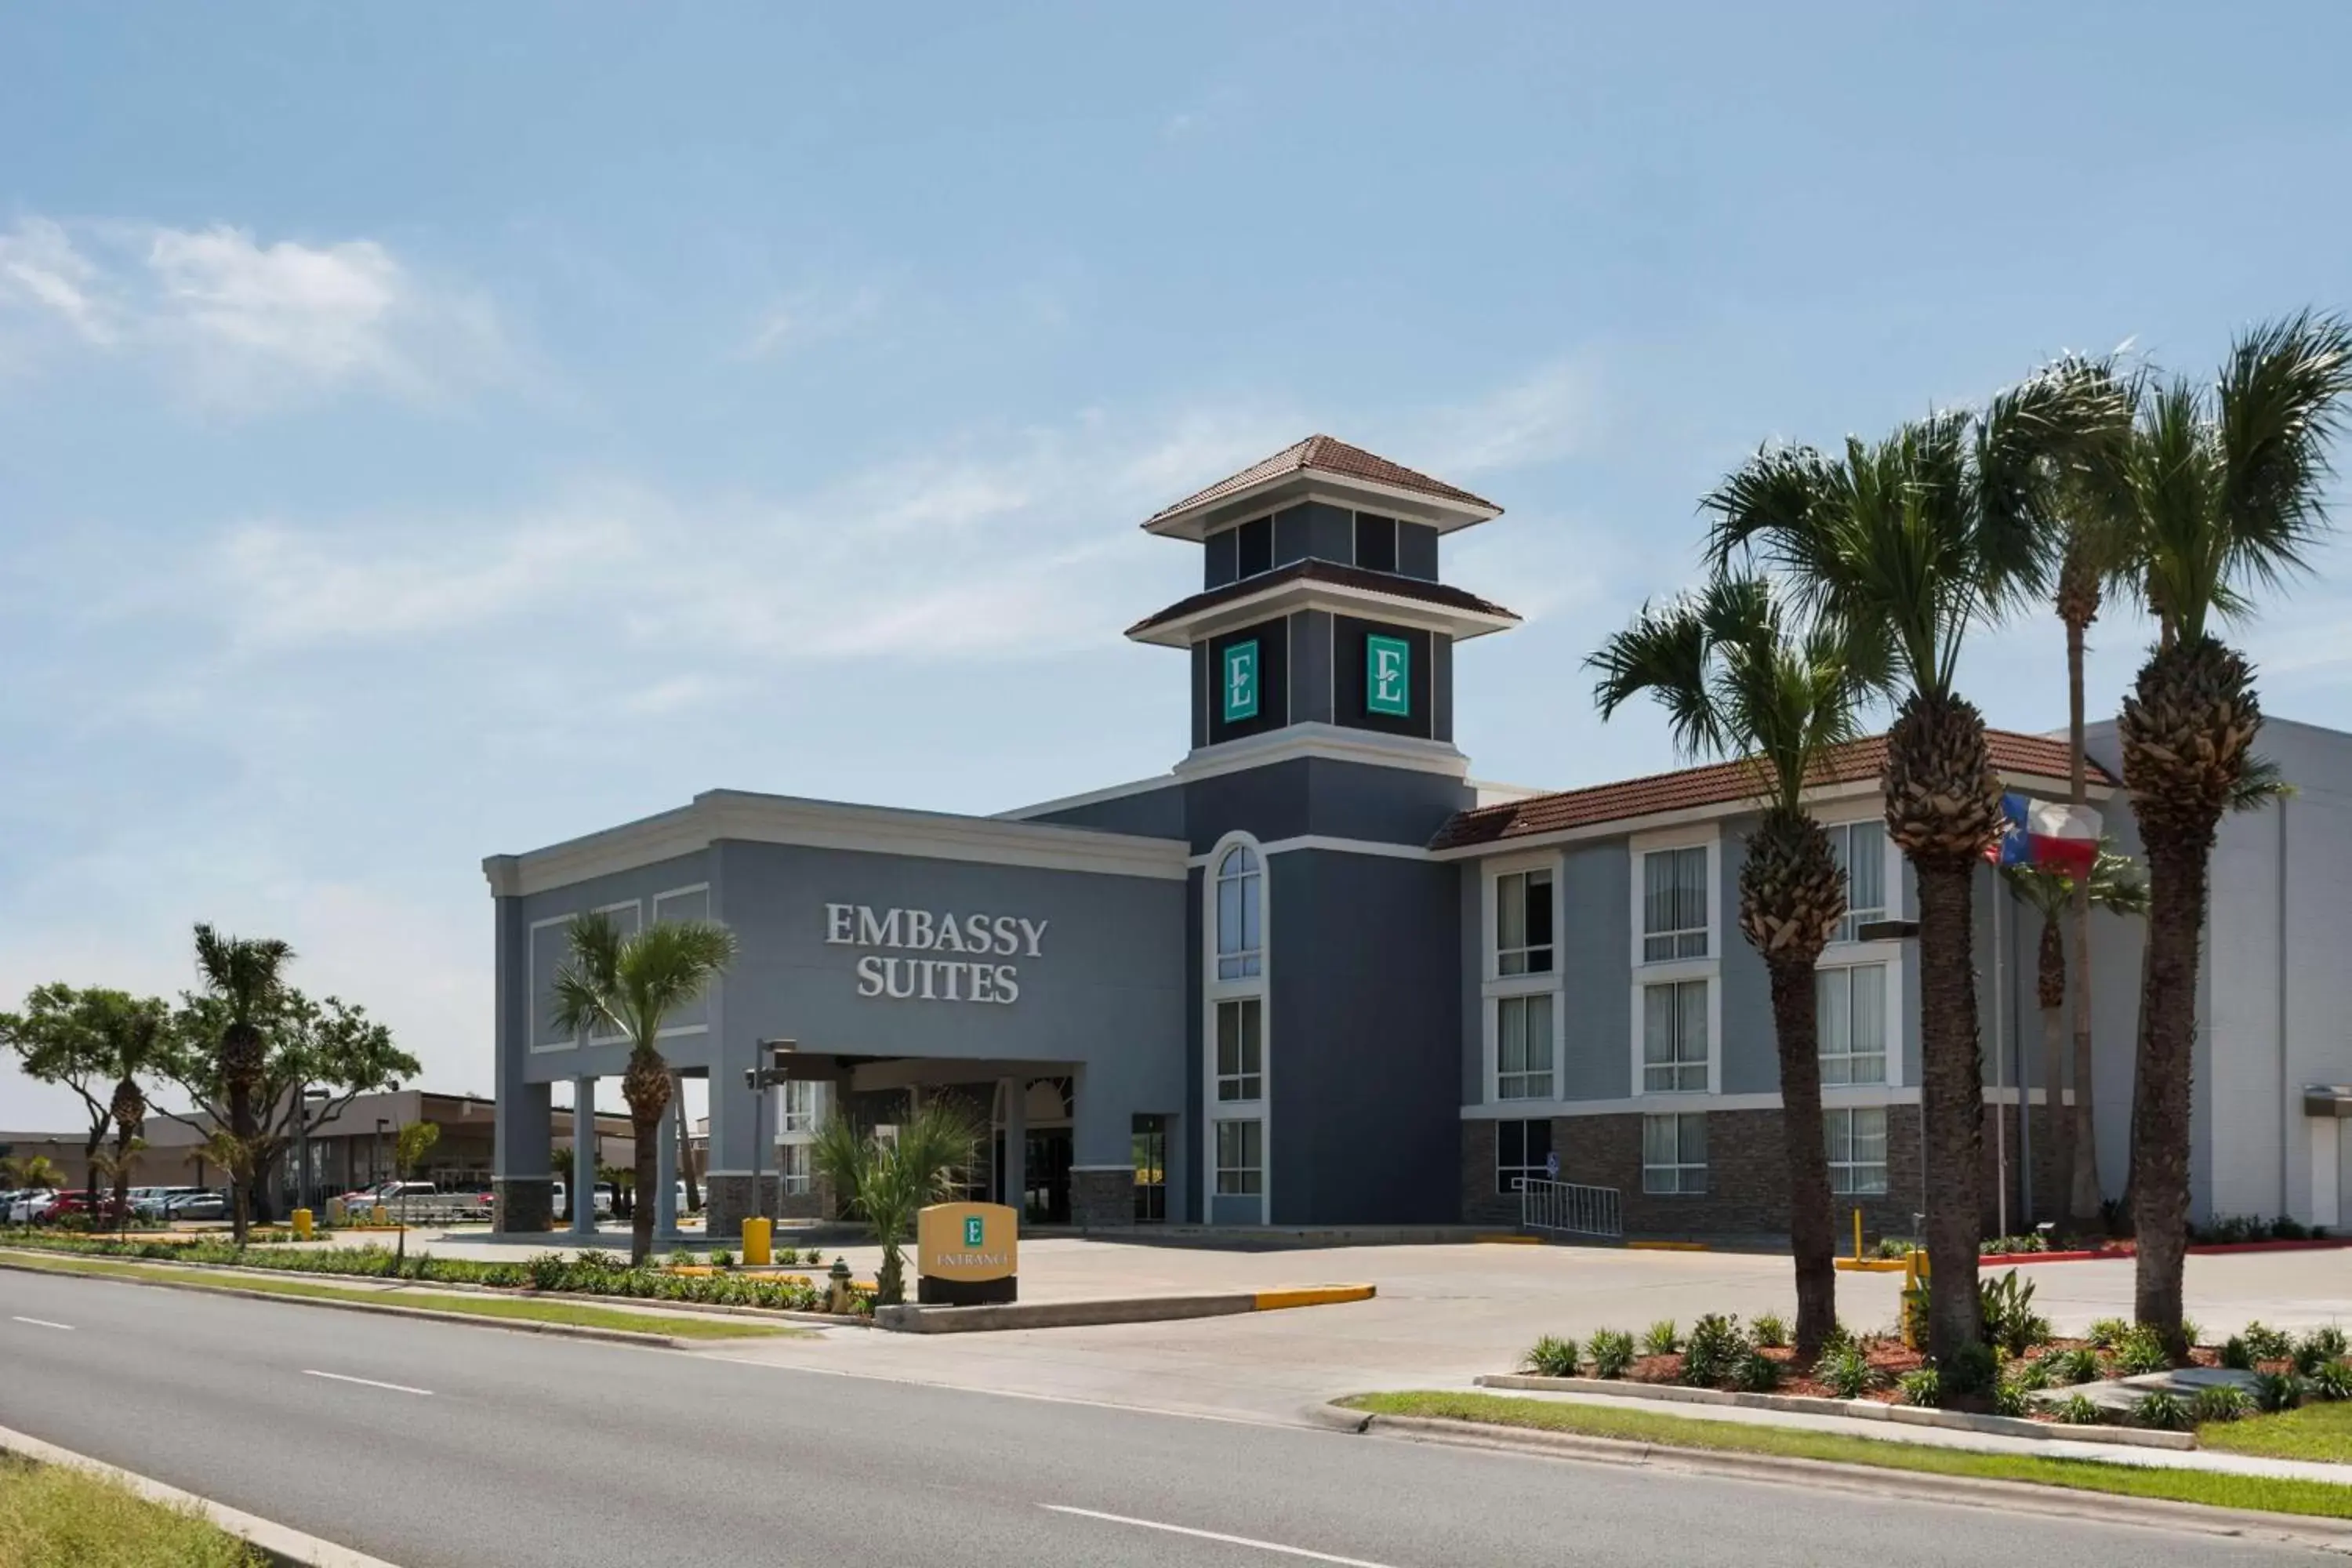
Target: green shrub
<point>2277,1391</point>
<point>2160,1411</point>
<point>813,1257</point>
<point>1612,1353</point>
<point>2286,1227</point>
<point>2031,1375</point>
<point>1839,1334</point>
<point>722,1258</point>
<point>1663,1339</point>
<point>2009,1320</point>
<point>1897,1246</point>
<point>2331,1380</point>
<point>2007,1246</point>
<point>1972,1368</point>
<point>2235,1353</point>
<point>2192,1333</point>
<point>2011,1397</point>
<point>1715,1347</point>
<point>2220,1402</point>
<point>1847,1371</point>
<point>2075,1410</point>
<point>1769,1330</point>
<point>1551,1356</point>
<point>2141,1351</point>
<point>1922,1386</point>
<point>549,1270</point>
<point>2267,1344</point>
<point>1753,1372</point>
<point>2107,1331</point>
<point>2328,1341</point>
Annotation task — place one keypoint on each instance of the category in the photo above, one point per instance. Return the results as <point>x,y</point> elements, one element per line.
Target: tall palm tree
<point>886,1180</point>
<point>2116,885</point>
<point>1739,675</point>
<point>2226,493</point>
<point>1944,524</point>
<point>132,1047</point>
<point>246,976</point>
<point>635,984</point>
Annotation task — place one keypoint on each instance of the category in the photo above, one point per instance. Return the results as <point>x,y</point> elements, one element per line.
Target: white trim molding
<point>1256,987</point>
<point>716,814</point>
<point>1331,846</point>
<point>1832,1098</point>
<point>1290,595</point>
<point>1330,742</point>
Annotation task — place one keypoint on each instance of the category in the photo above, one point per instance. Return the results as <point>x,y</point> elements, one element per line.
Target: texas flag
<point>2047,834</point>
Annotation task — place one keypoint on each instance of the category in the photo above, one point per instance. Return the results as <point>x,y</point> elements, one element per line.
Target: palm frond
<point>2259,783</point>
<point>1662,653</point>
<point>2278,406</point>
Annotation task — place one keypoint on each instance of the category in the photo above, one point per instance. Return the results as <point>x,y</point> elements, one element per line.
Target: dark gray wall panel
<point>1269,803</point>
<point>1417,551</point>
<point>1310,667</point>
<point>1751,1057</point>
<point>1148,814</point>
<point>1474,973</point>
<point>1220,564</point>
<point>1596,957</point>
<point>1441,695</point>
<point>1389,805</point>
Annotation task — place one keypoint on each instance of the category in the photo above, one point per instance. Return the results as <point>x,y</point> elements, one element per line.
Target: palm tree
<point>2225,488</point>
<point>1942,525</point>
<point>635,984</point>
<point>886,1180</point>
<point>246,975</point>
<point>30,1172</point>
<point>1740,678</point>
<point>2116,885</point>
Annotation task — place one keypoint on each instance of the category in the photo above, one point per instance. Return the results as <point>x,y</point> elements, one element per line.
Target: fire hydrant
<point>837,1300</point>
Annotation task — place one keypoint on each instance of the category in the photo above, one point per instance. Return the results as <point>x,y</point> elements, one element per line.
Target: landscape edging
<point>1850,1409</point>
<point>282,1544</point>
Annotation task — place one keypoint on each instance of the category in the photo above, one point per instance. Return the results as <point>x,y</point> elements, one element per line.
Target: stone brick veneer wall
<point>1104,1197</point>
<point>1746,1176</point>
<point>522,1204</point>
<point>726,1203</point>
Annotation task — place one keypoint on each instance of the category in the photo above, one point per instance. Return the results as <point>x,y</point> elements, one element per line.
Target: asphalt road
<point>434,1445</point>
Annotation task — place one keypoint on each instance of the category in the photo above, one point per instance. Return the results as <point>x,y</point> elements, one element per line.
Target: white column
<point>2326,1144</point>
<point>583,1156</point>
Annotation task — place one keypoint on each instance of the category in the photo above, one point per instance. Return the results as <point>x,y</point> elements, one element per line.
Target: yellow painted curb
<point>1666,1246</point>
<point>1871,1264</point>
<point>1310,1296</point>
<point>1508,1240</point>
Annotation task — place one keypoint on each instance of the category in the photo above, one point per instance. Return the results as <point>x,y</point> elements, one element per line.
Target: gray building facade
<point>1314,975</point>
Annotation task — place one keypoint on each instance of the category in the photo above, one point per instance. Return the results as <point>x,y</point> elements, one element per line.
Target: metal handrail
<point>1567,1209</point>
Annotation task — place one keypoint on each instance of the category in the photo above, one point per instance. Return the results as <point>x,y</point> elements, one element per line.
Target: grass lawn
<point>536,1310</point>
<point>2275,1496</point>
<point>50,1516</point>
<point>2315,1432</point>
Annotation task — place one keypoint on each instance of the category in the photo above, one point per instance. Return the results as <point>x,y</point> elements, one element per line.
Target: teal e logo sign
<point>1388,676</point>
<point>971,1230</point>
<point>1240,681</point>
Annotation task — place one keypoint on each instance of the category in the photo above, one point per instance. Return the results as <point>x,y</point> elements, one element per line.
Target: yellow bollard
<point>379,1215</point>
<point>759,1236</point>
<point>336,1213</point>
<point>1857,1233</point>
<point>301,1225</point>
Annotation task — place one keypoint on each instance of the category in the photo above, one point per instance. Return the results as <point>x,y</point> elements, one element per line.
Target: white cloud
<point>1550,415</point>
<point>237,324</point>
<point>809,315</point>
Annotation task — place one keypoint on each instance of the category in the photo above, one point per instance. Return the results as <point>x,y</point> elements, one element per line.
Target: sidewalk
<point>1945,1438</point>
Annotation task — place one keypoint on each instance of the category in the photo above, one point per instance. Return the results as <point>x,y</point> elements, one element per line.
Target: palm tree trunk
<point>1952,1107</point>
<point>647,1088</point>
<point>1811,1237</point>
<point>2082,1174</point>
<point>2051,993</point>
<point>2161,1095</point>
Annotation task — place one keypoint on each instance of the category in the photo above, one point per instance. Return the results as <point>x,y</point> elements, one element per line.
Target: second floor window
<point>801,1106</point>
<point>1241,945</point>
<point>1675,1038</point>
<point>1523,924</point>
<point>1852,1024</point>
<point>1523,1046</point>
<point>1674,904</point>
<point>1860,851</point>
<point>1241,1051</point>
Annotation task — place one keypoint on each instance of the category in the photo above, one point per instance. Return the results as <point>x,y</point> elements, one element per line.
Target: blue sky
<point>431,431</point>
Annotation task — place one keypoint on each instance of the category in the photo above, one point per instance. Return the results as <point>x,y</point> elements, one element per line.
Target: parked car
<point>154,1203</point>
<point>201,1205</point>
<point>601,1203</point>
<point>99,1210</point>
<point>8,1197</point>
<point>31,1205</point>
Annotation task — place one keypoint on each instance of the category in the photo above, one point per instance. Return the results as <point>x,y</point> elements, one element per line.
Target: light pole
<point>759,1081</point>
<point>311,1098</point>
<point>375,1158</point>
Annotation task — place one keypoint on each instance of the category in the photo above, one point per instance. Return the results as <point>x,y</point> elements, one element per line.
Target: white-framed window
<point>1522,1154</point>
<point>803,1106</point>
<point>1676,1054</point>
<point>793,1165</point>
<point>1241,1158</point>
<point>1523,922</point>
<point>1523,1046</point>
<point>1851,1023</point>
<point>1241,1051</point>
<point>1673,1153</point>
<point>1241,941</point>
<point>1856,1136</point>
<point>1674,904</point>
<point>1860,851</point>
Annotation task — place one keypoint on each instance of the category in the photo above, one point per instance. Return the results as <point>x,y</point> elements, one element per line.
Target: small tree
<point>635,984</point>
<point>409,1147</point>
<point>96,1042</point>
<point>886,1180</point>
<point>30,1172</point>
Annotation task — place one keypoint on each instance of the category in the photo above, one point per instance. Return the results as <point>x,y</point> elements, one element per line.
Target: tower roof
<point>1348,471</point>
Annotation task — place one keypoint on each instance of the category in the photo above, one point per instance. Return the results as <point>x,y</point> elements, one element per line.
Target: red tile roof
<point>1331,457</point>
<point>1315,570</point>
<point>1716,783</point>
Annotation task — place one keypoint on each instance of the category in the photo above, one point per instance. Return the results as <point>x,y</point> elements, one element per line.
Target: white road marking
<point>43,1323</point>
<point>1214,1535</point>
<point>369,1383</point>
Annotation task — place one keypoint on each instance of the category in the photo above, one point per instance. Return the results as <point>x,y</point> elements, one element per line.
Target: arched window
<point>1241,946</point>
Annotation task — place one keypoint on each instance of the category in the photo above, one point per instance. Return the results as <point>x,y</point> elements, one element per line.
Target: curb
<point>922,1320</point>
<point>1850,1409</point>
<point>2020,1497</point>
<point>281,1543</point>
<point>524,1325</point>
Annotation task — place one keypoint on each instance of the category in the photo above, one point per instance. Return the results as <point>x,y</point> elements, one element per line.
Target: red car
<point>79,1205</point>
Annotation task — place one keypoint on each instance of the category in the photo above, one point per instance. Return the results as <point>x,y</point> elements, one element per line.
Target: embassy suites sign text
<point>955,954</point>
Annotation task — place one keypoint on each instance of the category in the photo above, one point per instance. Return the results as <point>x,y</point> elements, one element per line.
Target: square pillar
<point>583,1156</point>
<point>1016,1167</point>
<point>664,1193</point>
